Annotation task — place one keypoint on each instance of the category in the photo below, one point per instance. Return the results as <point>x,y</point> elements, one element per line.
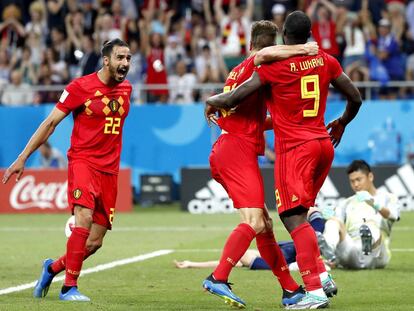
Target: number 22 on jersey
<point>112,125</point>
<point>308,92</point>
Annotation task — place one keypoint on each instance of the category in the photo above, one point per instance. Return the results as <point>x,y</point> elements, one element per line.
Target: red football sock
<point>236,245</point>
<point>307,252</point>
<point>272,254</point>
<point>60,264</point>
<point>75,253</point>
<point>321,264</point>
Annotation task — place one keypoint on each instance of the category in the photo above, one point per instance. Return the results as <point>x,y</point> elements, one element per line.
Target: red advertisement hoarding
<point>45,191</point>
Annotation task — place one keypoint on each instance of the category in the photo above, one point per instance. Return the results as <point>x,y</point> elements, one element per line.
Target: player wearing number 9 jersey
<point>99,103</point>
<point>233,162</point>
<point>303,145</point>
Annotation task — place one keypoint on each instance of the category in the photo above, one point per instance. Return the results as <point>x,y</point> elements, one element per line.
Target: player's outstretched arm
<point>348,89</point>
<point>231,99</point>
<point>39,137</point>
<point>280,52</point>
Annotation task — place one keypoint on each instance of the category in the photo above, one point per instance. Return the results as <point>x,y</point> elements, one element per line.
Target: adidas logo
<point>402,185</point>
<point>211,199</point>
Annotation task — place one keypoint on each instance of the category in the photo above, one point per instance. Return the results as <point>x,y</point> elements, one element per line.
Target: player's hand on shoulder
<point>311,48</point>
<point>17,168</point>
<point>336,130</point>
<point>210,113</point>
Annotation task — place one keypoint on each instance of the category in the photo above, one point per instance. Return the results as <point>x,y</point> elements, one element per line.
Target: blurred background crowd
<point>182,50</point>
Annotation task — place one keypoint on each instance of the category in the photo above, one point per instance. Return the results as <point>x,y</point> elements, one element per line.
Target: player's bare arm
<point>230,99</point>
<point>348,89</point>
<point>39,137</point>
<point>280,52</point>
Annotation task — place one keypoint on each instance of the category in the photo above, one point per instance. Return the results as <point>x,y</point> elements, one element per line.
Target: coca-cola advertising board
<point>45,191</point>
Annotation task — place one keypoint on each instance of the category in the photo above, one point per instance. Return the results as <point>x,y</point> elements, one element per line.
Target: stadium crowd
<point>183,44</point>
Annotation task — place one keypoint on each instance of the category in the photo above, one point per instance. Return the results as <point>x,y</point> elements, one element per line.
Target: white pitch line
<point>402,250</point>
<point>98,268</point>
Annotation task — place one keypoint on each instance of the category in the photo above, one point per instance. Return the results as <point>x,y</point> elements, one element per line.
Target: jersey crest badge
<point>294,198</point>
<point>77,194</point>
<point>114,105</point>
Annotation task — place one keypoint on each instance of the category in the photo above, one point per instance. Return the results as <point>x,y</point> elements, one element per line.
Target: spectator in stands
<point>17,93</point>
<point>11,29</point>
<point>55,13</point>
<point>38,22</point>
<point>323,15</point>
<point>4,67</point>
<point>90,58</point>
<point>46,96</point>
<point>182,85</point>
<point>396,12</point>
<point>27,68</point>
<point>388,52</point>
<point>58,42</point>
<point>174,52</point>
<point>106,29</point>
<point>75,31</point>
<point>354,62</point>
<point>37,46</point>
<point>208,36</point>
<point>137,70</point>
<point>51,157</point>
<point>153,43</point>
<point>58,66</point>
<point>278,15</point>
<point>235,30</point>
<point>89,15</point>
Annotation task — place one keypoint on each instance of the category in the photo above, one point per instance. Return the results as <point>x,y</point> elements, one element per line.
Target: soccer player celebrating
<point>99,103</point>
<point>304,147</point>
<point>234,164</point>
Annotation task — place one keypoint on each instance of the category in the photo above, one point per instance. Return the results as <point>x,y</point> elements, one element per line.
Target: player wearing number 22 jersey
<point>99,112</point>
<point>99,103</point>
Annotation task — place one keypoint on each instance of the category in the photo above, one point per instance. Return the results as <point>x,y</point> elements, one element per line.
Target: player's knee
<point>83,217</point>
<point>258,224</point>
<point>93,246</point>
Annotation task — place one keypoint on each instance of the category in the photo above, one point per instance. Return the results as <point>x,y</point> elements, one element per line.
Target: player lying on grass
<point>251,258</point>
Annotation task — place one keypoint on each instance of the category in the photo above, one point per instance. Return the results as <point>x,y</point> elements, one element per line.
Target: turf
<point>154,284</point>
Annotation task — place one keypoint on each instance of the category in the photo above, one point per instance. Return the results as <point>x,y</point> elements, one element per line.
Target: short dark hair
<point>108,46</point>
<point>263,34</point>
<point>297,27</point>
<point>358,165</point>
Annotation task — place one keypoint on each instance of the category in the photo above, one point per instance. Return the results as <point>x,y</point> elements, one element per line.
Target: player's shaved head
<point>358,165</point>
<point>297,28</point>
<point>108,46</point>
<point>263,34</point>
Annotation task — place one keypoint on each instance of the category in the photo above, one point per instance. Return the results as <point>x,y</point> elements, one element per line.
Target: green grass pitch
<point>154,284</point>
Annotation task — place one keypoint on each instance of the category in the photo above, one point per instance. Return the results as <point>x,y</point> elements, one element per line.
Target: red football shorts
<point>93,189</point>
<point>233,163</point>
<point>301,172</point>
